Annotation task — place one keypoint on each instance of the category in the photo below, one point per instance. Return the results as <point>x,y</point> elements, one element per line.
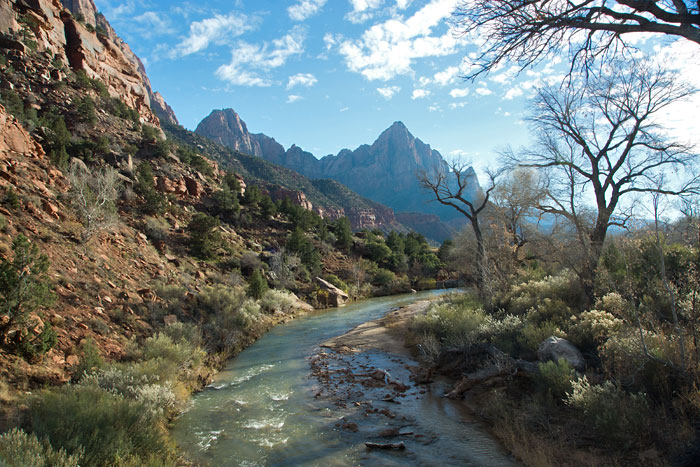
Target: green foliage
<point>278,301</point>
<point>28,25</point>
<point>268,208</point>
<point>90,359</point>
<point>226,313</point>
<point>36,346</point>
<point>298,243</point>
<point>86,83</point>
<point>25,287</point>
<point>118,108</point>
<point>257,285</point>
<point>591,328</point>
<point>89,150</point>
<point>205,237</point>
<point>451,324</point>
<point>226,203</point>
<point>337,281</point>
<point>533,333</point>
<point>19,449</point>
<point>10,200</point>
<point>56,138</point>
<point>231,181</point>
<point>383,277</point>
<point>149,134</point>
<point>618,417</point>
<point>444,250</point>
<point>299,217</point>
<point>153,201</point>
<point>106,428</point>
<point>12,103</point>
<point>252,196</point>
<point>343,233</point>
<point>86,110</point>
<point>377,251</point>
<point>555,378</point>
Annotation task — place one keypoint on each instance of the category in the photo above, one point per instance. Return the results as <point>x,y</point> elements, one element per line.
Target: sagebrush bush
<point>592,328</point>
<point>618,417</point>
<point>561,289</point>
<point>226,312</point>
<point>278,301</point>
<point>106,428</point>
<point>182,353</point>
<point>453,325</point>
<point>534,333</point>
<point>19,449</point>
<point>556,378</point>
<point>158,397</point>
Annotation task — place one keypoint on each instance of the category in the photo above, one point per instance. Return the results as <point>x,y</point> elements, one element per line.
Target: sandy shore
<point>385,334</point>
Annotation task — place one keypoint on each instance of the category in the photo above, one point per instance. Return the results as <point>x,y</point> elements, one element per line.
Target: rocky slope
<point>385,171</point>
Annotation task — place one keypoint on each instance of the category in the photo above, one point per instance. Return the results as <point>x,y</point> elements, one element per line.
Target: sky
<point>332,74</point>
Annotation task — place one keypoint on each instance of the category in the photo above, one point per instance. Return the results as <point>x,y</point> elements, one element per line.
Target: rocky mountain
<point>385,171</point>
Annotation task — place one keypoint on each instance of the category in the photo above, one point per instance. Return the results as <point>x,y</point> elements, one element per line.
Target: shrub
<point>343,233</point>
<point>93,195</point>
<point>13,104</point>
<point>278,301</point>
<point>24,287</point>
<point>56,138</point>
<point>110,428</point>
<point>183,353</point>
<point>257,285</point>
<point>90,359</point>
<point>157,396</point>
<point>153,201</point>
<point>562,289</point>
<point>591,328</point>
<point>452,325</point>
<point>555,378</point>
<point>383,277</point>
<point>118,108</point>
<point>149,134</point>
<point>337,281</point>
<point>617,416</point>
<point>11,200</point>
<point>268,208</point>
<point>534,333</point>
<point>205,237</point>
<point>19,449</point>
<point>86,110</point>
<point>226,203</point>
<point>156,229</point>
<point>83,81</point>
<point>226,312</point>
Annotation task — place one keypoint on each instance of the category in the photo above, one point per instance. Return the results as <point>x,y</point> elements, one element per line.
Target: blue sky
<point>331,74</point>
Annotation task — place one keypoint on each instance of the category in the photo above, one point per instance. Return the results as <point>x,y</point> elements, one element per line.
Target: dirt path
<point>386,333</point>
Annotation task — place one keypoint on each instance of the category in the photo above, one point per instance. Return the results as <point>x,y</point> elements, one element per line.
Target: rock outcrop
<point>226,128</point>
<point>553,348</point>
<point>333,295</point>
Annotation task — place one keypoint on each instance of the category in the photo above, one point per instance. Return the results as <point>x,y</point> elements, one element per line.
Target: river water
<point>266,408</point>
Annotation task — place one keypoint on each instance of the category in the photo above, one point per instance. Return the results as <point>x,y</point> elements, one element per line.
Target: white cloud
<point>305,9</point>
<point>403,4</point>
<point>434,108</point>
<point>388,49</point>
<point>292,98</point>
<point>420,93</point>
<point>513,93</point>
<point>457,105</point>
<point>345,109</point>
<point>217,30</point>
<point>249,59</point>
<point>389,91</point>
<point>483,91</point>
<point>301,79</point>
<point>459,92</point>
<point>362,10</point>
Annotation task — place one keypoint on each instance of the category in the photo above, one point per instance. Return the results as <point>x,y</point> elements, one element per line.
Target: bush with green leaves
<point>85,109</point>
<point>591,328</point>
<point>226,312</point>
<point>205,237</point>
<point>551,293</point>
<point>102,427</point>
<point>10,200</point>
<point>153,201</point>
<point>226,204</point>
<point>257,285</point>
<point>89,361</point>
<point>118,108</point>
<point>56,138</point>
<point>383,278</point>
<point>452,325</point>
<point>278,301</point>
<point>19,449</point>
<point>83,81</point>
<point>556,378</point>
<point>299,244</point>
<point>24,288</point>
<point>618,417</point>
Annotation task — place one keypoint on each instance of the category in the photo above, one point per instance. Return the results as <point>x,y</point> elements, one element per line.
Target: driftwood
<point>399,446</point>
<point>503,364</point>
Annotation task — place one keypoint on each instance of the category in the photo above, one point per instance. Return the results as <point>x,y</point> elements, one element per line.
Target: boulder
<point>336,297</point>
<point>553,348</point>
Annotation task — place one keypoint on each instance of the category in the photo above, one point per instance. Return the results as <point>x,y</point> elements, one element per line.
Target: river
<point>266,408</point>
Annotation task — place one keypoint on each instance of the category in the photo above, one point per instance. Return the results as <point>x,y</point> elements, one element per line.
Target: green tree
<point>252,196</point>
<point>24,287</point>
<point>153,202</point>
<point>268,208</point>
<point>226,203</point>
<point>257,285</point>
<point>343,233</point>
<point>86,110</point>
<point>205,238</point>
<point>56,138</point>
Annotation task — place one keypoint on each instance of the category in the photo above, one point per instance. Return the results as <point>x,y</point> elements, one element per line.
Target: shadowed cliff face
<point>385,171</point>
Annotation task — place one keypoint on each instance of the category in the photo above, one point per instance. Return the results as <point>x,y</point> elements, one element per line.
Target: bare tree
<point>600,144</point>
<point>451,186</point>
<point>526,31</point>
<point>93,195</point>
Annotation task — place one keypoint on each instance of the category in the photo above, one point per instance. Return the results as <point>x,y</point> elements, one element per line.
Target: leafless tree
<point>93,195</point>
<point>526,31</point>
<point>600,143</point>
<point>451,185</point>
